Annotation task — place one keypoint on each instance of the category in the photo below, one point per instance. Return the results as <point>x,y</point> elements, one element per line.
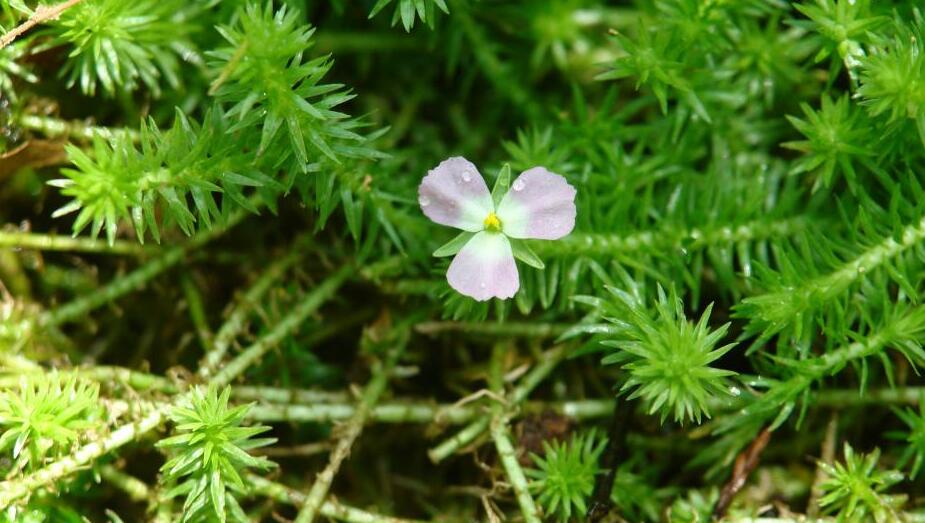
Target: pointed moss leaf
<point>378,7</point>
<point>407,14</point>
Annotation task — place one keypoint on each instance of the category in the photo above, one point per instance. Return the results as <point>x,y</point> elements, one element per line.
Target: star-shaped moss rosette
<point>539,205</point>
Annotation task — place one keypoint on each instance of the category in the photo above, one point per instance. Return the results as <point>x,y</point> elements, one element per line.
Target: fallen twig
<point>745,463</point>
<point>41,15</point>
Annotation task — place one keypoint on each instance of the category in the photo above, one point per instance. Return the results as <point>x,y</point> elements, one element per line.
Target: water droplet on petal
<point>518,185</point>
<point>466,176</point>
<point>483,285</point>
<point>424,201</point>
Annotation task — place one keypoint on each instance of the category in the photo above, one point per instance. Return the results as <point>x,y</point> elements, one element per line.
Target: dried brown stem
<point>41,15</point>
<point>746,462</point>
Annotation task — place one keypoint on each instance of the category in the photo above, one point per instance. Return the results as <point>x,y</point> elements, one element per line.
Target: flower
<point>540,205</point>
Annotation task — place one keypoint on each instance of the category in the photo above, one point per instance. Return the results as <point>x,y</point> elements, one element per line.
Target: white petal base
<point>485,268</point>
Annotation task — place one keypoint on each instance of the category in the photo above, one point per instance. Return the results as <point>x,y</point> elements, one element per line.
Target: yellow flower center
<point>492,223</point>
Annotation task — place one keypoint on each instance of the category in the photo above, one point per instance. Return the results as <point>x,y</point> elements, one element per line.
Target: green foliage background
<point>210,232</point>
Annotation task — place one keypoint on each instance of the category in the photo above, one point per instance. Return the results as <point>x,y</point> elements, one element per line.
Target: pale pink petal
<point>454,194</point>
<point>540,204</point>
<point>485,268</point>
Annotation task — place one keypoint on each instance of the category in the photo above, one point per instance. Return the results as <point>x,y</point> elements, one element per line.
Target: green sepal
<point>502,184</point>
<point>524,253</point>
<point>455,245</point>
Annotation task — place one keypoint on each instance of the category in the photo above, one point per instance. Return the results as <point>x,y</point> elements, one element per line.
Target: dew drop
<point>483,285</point>
<point>424,201</point>
<point>467,176</point>
<point>518,185</point>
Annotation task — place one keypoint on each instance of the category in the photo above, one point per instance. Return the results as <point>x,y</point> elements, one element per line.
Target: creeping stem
<point>131,281</point>
<point>329,508</point>
<point>42,14</point>
<point>53,242</point>
<point>314,500</point>
<point>238,317</point>
<point>16,489</point>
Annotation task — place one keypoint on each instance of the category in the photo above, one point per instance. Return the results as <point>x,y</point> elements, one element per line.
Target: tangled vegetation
<point>222,297</point>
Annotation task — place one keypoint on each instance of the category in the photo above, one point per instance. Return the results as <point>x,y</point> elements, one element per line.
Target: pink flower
<point>540,205</point>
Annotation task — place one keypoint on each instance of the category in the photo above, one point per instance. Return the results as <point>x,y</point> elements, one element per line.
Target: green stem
<point>525,329</point>
<point>374,389</point>
<point>53,242</point>
<point>408,411</point>
<point>499,433</point>
<point>547,363</point>
<point>55,127</point>
<point>783,395</point>
<point>280,395</point>
<point>14,490</point>
<point>136,489</point>
<point>133,280</point>
<point>853,397</point>
<point>494,69</point>
<point>19,488</point>
<point>829,286</point>
<point>120,286</point>
<point>395,412</point>
<point>134,379</point>
<point>668,240</point>
<point>107,375</point>
<point>284,328</point>
<point>18,363</point>
<point>237,320</point>
<point>330,508</point>
<point>197,311</point>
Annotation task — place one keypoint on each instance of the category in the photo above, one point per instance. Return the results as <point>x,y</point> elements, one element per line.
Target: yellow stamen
<point>492,223</point>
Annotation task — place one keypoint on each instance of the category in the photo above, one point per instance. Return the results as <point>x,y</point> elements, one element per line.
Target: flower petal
<point>540,204</point>
<point>485,268</point>
<point>454,194</point>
